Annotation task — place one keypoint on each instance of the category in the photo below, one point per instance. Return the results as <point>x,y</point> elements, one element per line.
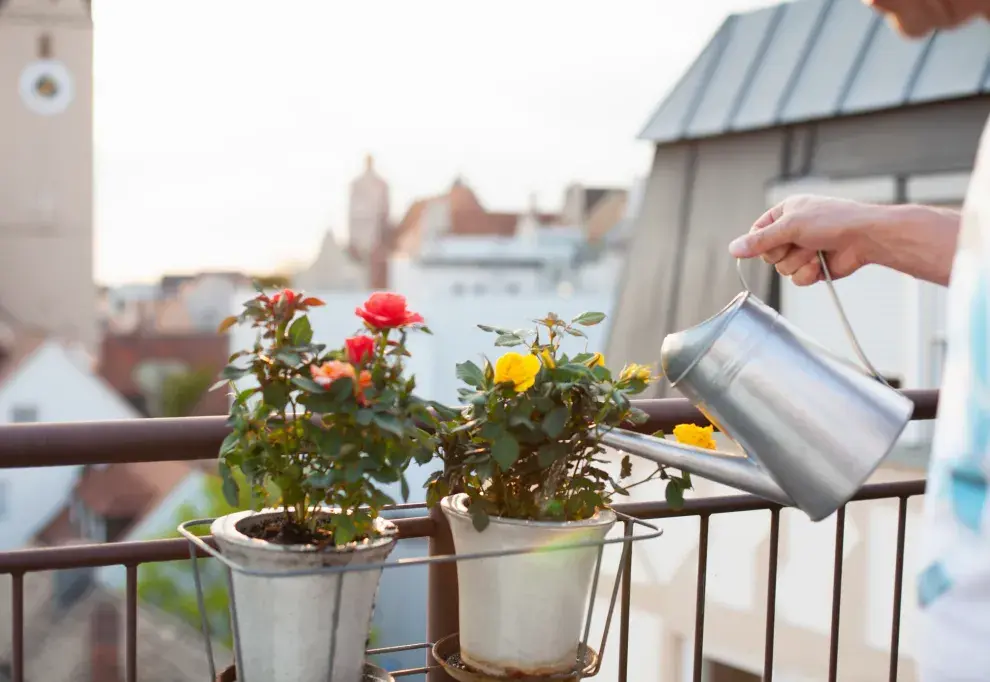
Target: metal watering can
<point>812,425</point>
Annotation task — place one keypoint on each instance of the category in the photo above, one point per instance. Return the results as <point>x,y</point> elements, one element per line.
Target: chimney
<point>105,643</point>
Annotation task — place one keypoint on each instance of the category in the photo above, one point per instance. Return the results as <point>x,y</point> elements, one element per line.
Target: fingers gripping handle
<point>842,315</point>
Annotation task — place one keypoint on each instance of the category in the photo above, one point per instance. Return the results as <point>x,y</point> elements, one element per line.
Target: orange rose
<point>330,371</point>
<point>363,383</point>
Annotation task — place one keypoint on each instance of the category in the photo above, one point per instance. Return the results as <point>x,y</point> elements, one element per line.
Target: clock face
<point>46,87</point>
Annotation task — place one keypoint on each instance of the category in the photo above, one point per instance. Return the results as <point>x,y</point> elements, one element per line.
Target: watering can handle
<point>842,316</point>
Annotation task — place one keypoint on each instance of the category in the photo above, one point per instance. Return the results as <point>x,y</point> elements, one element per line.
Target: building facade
<point>46,167</point>
<point>811,96</point>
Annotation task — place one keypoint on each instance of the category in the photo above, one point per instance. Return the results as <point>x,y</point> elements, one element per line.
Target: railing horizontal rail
<point>199,438</point>
<point>143,551</point>
<point>151,440</point>
<point>740,503</point>
<point>177,549</point>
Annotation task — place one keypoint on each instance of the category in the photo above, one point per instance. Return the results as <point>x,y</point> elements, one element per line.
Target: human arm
<point>919,241</point>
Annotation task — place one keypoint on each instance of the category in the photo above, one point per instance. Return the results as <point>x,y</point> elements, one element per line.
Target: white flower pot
<point>284,624</point>
<point>523,614</point>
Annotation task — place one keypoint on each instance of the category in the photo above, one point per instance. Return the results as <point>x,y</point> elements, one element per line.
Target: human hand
<point>790,234</point>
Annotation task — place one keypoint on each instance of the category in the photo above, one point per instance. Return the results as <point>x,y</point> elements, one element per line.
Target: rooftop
<point>816,59</point>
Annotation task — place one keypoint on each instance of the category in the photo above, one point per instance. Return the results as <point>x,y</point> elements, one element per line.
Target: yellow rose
<point>547,358</point>
<point>698,436</point>
<point>519,370</point>
<point>635,371</point>
<point>595,360</point>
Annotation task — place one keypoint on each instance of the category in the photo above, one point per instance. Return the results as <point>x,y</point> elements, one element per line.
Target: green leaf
<point>276,395</point>
<point>322,480</point>
<point>343,529</point>
<point>674,494</point>
<point>364,417</point>
<point>509,340</point>
<point>497,330</point>
<point>471,374</point>
<point>307,384</point>
<point>575,332</point>
<point>550,453</point>
<point>505,451</point>
<point>555,421</point>
<point>230,443</point>
<point>288,357</point>
<point>328,441</point>
<point>520,416</point>
<point>233,372</point>
<point>625,469</point>
<point>301,331</point>
<point>231,493</point>
<point>219,384</point>
<point>341,388</point>
<point>491,431</point>
<point>479,517</point>
<point>637,416</point>
<point>404,485</point>
<point>390,423</point>
<point>588,319</point>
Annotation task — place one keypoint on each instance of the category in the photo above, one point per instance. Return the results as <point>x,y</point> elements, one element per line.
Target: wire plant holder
<point>445,652</point>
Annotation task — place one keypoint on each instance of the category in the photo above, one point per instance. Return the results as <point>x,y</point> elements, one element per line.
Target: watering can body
<point>813,426</point>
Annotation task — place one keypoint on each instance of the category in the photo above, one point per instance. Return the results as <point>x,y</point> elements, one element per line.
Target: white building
<point>174,305</point>
<point>43,380</point>
<point>452,246</point>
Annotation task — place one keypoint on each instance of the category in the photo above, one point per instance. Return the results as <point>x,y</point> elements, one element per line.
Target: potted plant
<point>524,468</point>
<point>317,435</point>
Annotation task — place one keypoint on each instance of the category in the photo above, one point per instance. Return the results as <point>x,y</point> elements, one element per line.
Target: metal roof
<point>814,59</point>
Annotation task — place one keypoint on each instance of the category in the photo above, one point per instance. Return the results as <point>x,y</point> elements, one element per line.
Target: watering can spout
<point>725,468</point>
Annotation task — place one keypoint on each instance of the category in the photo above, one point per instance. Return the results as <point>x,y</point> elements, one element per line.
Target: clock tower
<point>46,168</point>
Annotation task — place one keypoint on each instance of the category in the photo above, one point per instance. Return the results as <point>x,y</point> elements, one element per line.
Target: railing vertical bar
<point>833,641</point>
<point>895,623</point>
<point>771,594</point>
<point>624,607</point>
<point>130,638</point>
<point>699,613</point>
<point>442,610</point>
<point>17,621</point>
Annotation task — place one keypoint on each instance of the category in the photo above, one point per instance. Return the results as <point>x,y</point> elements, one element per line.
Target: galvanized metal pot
<point>310,628</point>
<point>523,614</point>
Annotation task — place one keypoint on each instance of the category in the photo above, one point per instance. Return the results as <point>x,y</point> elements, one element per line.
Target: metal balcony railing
<point>198,438</point>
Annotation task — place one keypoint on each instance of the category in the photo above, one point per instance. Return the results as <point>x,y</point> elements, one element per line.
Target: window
<point>479,288</point>
<point>23,414</point>
<point>513,288</point>
<point>4,503</point>
<point>458,289</point>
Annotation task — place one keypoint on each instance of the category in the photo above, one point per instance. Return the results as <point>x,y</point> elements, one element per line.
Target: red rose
<point>387,311</point>
<point>288,294</point>
<point>360,349</point>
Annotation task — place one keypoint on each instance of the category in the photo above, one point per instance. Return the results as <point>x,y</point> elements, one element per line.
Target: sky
<point>227,131</point>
